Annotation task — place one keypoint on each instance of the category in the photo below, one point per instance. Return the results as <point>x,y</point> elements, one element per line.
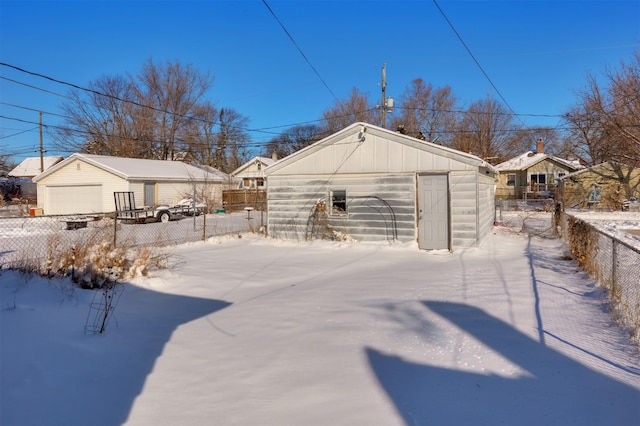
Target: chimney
<point>540,146</point>
<point>274,156</point>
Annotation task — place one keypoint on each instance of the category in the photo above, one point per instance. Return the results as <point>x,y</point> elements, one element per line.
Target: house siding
<point>380,172</point>
<point>375,154</point>
<point>615,181</point>
<point>79,173</point>
<point>292,199</point>
<point>463,189</point>
<point>486,205</point>
<point>170,192</point>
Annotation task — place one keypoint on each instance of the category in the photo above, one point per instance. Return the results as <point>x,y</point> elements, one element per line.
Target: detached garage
<point>374,184</point>
<point>85,183</point>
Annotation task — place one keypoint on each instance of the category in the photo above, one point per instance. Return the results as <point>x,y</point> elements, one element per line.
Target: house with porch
<point>532,175</point>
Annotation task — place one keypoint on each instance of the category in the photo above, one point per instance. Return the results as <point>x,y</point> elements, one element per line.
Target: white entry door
<point>433,212</point>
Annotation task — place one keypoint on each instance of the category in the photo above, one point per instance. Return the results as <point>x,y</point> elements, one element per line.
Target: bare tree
<point>173,91</point>
<point>103,120</point>
<point>586,128</point>
<point>293,139</point>
<point>346,112</point>
<point>426,113</point>
<point>5,162</point>
<point>603,124</point>
<point>623,112</point>
<point>201,136</point>
<point>232,140</point>
<point>149,115</point>
<point>488,130</point>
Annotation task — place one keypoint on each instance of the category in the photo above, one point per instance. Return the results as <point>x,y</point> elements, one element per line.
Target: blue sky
<point>536,52</point>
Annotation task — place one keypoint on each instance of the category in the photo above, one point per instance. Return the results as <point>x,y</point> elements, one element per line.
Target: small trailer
<point>127,211</point>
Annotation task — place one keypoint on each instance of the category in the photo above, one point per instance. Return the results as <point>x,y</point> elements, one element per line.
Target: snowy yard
<point>254,331</point>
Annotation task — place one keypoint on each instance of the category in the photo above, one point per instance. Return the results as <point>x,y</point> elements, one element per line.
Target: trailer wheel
<point>164,216</point>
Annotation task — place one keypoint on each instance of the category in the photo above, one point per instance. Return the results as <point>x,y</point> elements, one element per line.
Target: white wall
<point>79,173</point>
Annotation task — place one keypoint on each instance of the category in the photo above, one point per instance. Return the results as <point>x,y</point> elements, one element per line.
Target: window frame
<point>338,200</point>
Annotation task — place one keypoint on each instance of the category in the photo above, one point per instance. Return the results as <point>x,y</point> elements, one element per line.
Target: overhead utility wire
<point>33,109</point>
<point>95,92</point>
<point>35,87</point>
<point>89,133</point>
<point>19,133</point>
<point>473,57</point>
<point>299,49</point>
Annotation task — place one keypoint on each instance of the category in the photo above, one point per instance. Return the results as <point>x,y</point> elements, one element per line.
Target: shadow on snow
<point>557,389</point>
<point>111,368</point>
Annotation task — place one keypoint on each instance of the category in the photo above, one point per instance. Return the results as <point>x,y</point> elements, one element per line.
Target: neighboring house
<point>371,183</point>
<point>251,174</point>
<point>33,166</point>
<point>27,170</point>
<point>85,183</point>
<point>250,186</point>
<point>532,175</point>
<point>605,185</point>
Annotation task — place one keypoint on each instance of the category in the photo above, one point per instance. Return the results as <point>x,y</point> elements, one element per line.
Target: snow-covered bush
<point>93,262</point>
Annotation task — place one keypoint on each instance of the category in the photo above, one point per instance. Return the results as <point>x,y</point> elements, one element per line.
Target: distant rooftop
<point>30,167</point>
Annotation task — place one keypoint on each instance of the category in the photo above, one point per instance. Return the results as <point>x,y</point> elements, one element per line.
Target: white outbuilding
<point>370,183</point>
<point>85,183</point>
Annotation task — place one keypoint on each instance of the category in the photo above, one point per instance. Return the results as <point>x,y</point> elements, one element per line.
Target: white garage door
<point>73,199</point>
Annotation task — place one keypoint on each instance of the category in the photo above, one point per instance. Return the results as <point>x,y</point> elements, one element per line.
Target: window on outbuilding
<point>511,179</point>
<point>338,202</point>
<point>260,182</point>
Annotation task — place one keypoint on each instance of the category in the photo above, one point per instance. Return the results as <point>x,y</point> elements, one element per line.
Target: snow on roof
<point>594,167</point>
<point>137,168</point>
<point>30,167</point>
<point>529,159</point>
<point>266,161</point>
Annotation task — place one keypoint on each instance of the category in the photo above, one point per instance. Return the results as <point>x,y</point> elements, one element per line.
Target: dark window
<point>338,202</point>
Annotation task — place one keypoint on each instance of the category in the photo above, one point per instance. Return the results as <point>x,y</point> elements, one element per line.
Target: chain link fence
<point>613,259</point>
<point>26,241</point>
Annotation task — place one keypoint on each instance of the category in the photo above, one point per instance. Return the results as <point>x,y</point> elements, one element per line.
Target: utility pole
<point>383,105</point>
<point>387,103</point>
<point>41,146</point>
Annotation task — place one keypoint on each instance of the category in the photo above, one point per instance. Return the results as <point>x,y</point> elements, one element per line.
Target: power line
<point>19,133</point>
<point>299,49</point>
<point>472,56</point>
<point>35,87</point>
<point>95,92</point>
<point>33,109</point>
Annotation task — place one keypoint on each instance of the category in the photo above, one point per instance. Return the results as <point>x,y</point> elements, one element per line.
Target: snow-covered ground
<point>256,331</point>
<point>624,226</point>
